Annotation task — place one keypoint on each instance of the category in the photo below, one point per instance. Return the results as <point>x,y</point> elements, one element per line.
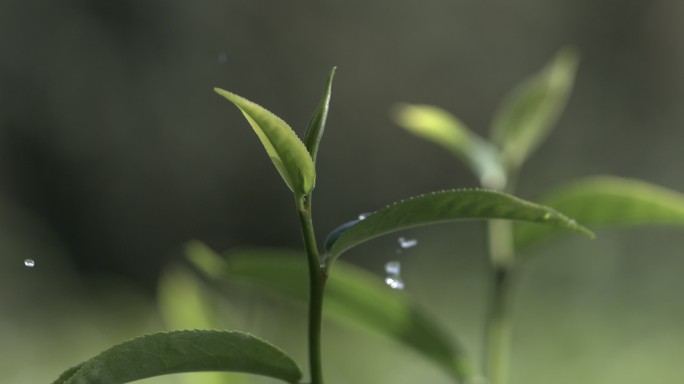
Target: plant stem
<point>317,279</point>
<point>499,323</point>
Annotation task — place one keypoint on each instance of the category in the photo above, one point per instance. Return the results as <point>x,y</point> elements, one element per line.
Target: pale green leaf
<point>316,126</point>
<point>532,109</point>
<point>183,351</point>
<point>608,201</point>
<point>183,300</point>
<point>441,127</point>
<point>287,152</point>
<point>447,206</point>
<point>186,303</point>
<point>353,296</point>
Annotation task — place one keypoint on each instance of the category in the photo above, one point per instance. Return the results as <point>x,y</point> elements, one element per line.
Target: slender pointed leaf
<point>529,113</point>
<point>441,127</point>
<point>287,152</point>
<point>353,296</point>
<point>183,351</point>
<point>446,206</point>
<point>316,127</point>
<point>607,201</point>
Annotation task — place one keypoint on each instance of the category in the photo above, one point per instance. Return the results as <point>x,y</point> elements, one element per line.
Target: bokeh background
<point>114,152</point>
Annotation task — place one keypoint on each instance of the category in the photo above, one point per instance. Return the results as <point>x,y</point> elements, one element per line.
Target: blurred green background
<point>114,151</point>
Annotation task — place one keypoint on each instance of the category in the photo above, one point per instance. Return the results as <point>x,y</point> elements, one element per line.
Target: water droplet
<point>547,216</point>
<point>407,243</point>
<point>30,263</point>
<point>393,279</point>
<point>363,216</point>
<point>394,283</point>
<point>222,58</point>
<point>393,268</point>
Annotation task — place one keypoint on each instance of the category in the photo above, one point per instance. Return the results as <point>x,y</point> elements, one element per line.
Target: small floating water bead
<point>407,243</point>
<point>30,263</point>
<point>393,278</point>
<point>394,283</point>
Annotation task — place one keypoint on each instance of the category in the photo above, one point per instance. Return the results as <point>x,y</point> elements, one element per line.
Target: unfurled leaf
<point>447,206</point>
<point>607,201</point>
<point>186,303</point>
<point>183,300</point>
<point>529,113</point>
<point>183,351</point>
<point>441,127</point>
<point>316,127</point>
<point>287,152</point>
<point>353,296</point>
<point>337,232</point>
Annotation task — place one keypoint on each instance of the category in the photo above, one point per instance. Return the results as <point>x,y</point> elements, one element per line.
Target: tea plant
<point>208,350</point>
<point>520,125</point>
<point>353,295</point>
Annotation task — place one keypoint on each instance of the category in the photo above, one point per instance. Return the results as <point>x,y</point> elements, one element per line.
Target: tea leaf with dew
<point>459,204</point>
<point>608,201</point>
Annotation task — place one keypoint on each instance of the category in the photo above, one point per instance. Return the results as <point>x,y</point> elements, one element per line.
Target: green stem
<point>499,322</point>
<point>317,279</point>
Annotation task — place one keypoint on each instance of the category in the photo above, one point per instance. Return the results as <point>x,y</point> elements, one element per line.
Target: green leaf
<point>184,301</point>
<point>316,126</point>
<point>353,296</point>
<point>446,206</point>
<point>287,152</point>
<point>67,374</point>
<point>607,201</point>
<point>441,127</point>
<point>183,351</point>
<point>529,113</point>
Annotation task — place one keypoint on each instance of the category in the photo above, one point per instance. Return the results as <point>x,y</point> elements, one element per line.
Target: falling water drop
<point>394,283</point>
<point>407,243</point>
<point>30,263</point>
<point>393,278</point>
<point>393,268</point>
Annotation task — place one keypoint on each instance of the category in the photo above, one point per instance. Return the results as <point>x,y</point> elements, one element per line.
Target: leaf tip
<point>588,232</point>
<point>572,224</point>
<point>220,91</point>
